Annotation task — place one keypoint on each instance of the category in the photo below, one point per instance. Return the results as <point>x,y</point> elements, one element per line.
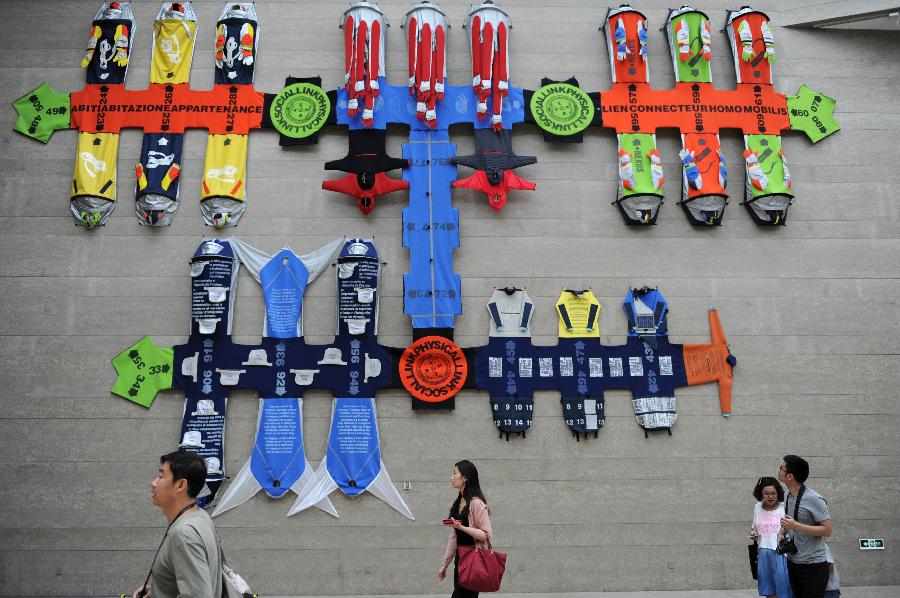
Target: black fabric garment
<point>462,539</point>
<point>237,73</point>
<point>493,154</point>
<point>109,71</point>
<point>808,580</point>
<point>367,154</point>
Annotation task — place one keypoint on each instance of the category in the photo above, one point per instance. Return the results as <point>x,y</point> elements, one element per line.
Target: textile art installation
<point>510,368</point>
<point>355,366</point>
<point>366,103</point>
<point>164,111</point>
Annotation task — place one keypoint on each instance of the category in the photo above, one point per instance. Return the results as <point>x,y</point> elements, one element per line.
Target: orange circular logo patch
<point>433,369</point>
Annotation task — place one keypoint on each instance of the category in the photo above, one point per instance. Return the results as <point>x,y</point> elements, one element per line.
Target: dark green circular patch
<point>562,109</point>
<point>300,110</point>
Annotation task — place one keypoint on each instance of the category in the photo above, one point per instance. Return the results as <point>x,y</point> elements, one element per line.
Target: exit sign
<point>871,544</point>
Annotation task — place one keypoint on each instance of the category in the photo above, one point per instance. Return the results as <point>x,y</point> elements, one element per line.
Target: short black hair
<point>187,466</point>
<point>767,481</point>
<point>797,467</point>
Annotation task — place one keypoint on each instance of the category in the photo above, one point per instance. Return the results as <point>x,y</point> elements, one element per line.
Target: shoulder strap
<point>482,506</point>
<point>797,504</point>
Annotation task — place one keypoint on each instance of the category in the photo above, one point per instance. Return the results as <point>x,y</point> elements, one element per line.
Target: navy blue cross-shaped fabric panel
<point>511,369</point>
<point>497,371</point>
<point>284,367</point>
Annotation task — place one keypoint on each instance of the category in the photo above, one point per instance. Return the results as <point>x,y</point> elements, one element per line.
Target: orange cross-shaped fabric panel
<point>694,108</point>
<point>224,109</point>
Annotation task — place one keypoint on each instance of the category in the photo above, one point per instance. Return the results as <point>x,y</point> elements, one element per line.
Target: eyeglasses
<point>770,494</point>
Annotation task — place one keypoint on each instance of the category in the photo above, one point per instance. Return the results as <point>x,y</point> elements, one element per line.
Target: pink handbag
<point>480,569</point>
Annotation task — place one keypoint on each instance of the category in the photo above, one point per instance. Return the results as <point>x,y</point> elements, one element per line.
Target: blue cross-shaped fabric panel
<point>354,455</point>
<point>431,290</point>
<point>395,104</point>
<point>160,152</point>
<point>278,459</point>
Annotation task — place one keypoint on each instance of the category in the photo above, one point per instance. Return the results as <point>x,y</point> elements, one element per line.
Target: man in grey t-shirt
<point>808,567</point>
<point>189,561</point>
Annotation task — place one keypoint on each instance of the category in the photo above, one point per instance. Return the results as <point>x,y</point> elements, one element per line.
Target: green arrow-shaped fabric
<point>813,113</point>
<point>143,370</point>
<point>41,112</point>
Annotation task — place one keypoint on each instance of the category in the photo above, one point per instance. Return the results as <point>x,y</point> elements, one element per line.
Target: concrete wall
<point>810,311</point>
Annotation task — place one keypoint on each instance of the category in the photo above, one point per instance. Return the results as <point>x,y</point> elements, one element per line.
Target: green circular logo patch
<point>299,110</point>
<point>562,109</point>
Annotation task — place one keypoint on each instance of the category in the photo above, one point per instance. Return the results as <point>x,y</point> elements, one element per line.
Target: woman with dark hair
<point>773,578</point>
<point>470,522</point>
